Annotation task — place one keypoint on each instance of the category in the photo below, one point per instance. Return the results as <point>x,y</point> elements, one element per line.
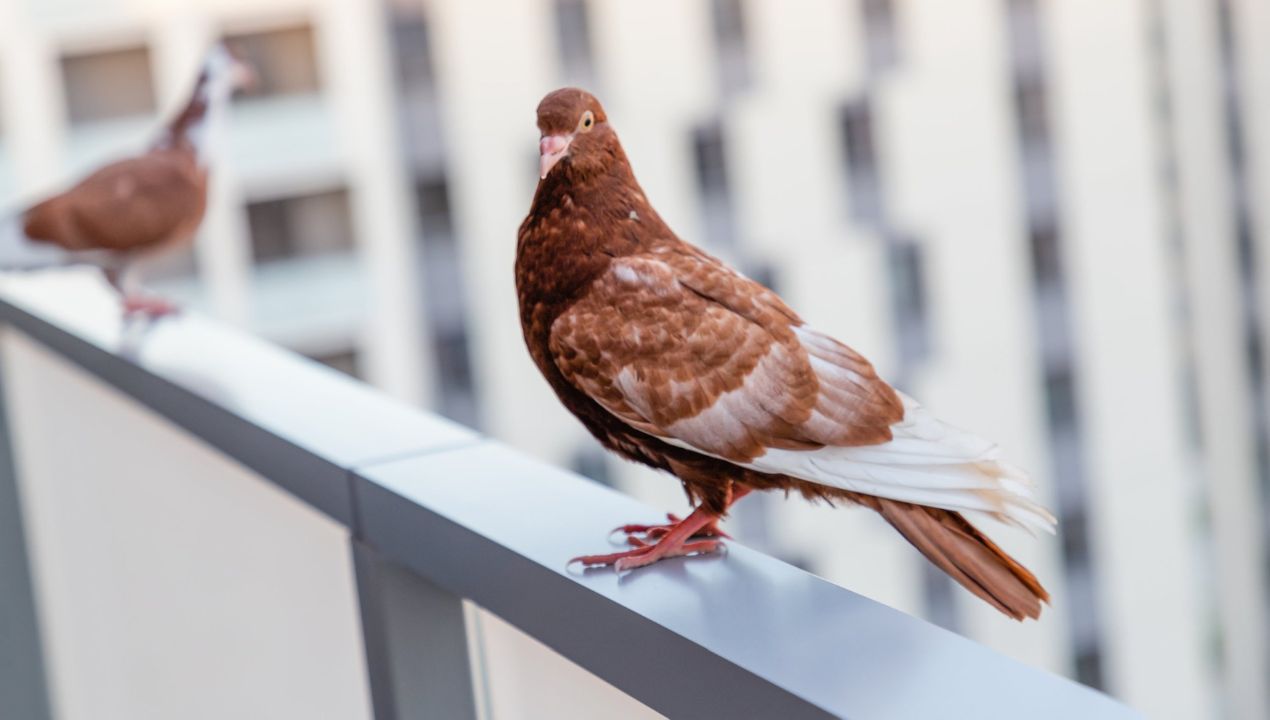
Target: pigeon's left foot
<point>675,542</point>
<point>148,307</point>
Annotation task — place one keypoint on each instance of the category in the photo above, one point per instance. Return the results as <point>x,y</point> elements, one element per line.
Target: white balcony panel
<point>167,573</point>
<point>526,680</point>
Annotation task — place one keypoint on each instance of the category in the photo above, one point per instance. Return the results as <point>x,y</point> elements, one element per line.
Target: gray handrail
<point>426,501</point>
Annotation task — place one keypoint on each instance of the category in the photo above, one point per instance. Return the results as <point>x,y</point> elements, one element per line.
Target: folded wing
<point>684,349</point>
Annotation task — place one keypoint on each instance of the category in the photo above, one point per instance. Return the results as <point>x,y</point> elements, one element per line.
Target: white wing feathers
<point>928,463</point>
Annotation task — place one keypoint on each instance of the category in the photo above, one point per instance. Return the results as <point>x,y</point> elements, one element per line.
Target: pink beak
<point>550,151</point>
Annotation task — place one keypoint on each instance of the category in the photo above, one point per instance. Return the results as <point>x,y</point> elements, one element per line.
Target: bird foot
<point>148,307</point>
<point>680,538</point>
<point>635,533</point>
<point>646,554</point>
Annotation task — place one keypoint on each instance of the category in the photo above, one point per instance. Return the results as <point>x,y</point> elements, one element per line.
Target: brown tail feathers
<point>959,549</point>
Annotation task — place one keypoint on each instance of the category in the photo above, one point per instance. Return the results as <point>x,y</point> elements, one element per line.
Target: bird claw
<point>699,533</point>
<point>654,532</point>
<point>151,308</point>
<point>646,554</point>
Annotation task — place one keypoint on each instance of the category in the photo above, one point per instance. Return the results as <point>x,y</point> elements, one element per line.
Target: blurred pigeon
<point>674,360</point>
<point>134,209</point>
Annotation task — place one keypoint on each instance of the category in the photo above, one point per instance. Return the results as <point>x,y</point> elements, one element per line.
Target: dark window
<point>419,112</point>
<point>879,30</point>
<point>412,44</point>
<point>108,85</point>
<point>710,158</point>
<point>763,273</point>
<point>454,370</point>
<point>444,299</point>
<point>1030,104</point>
<point>285,61</point>
<point>302,226</point>
<point>1047,261</point>
<point>590,461</point>
<point>1054,334</point>
<point>433,199</point>
<point>572,29</point>
<point>346,362</point>
<point>860,158</point>
<point>728,17</point>
<point>908,301</point>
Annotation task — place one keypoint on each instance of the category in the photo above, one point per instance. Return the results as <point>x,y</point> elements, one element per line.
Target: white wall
<point>171,582</point>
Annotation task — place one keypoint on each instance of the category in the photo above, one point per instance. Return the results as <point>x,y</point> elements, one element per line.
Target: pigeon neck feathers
<point>199,126</point>
<point>579,222</point>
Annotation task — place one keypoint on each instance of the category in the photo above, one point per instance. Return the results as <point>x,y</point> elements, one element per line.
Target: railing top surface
<point>739,635</point>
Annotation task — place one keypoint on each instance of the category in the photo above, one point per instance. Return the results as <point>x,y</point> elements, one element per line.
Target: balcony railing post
<point>416,642</point>
<point>23,691</point>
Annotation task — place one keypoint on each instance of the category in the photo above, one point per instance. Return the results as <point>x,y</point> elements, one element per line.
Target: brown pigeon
<point>674,360</point>
<point>134,209</point>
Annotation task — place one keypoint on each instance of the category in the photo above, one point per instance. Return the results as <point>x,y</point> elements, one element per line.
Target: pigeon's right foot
<point>148,307</point>
<point>674,540</point>
<point>637,534</point>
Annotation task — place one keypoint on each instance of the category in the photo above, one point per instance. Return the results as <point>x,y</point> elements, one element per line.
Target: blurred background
<point>1045,219</point>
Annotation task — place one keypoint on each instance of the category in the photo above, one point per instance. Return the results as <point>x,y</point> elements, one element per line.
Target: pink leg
<point>148,307</point>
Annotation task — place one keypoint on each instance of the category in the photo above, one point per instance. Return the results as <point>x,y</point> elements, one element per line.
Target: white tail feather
<point>19,252</point>
<point>927,463</point>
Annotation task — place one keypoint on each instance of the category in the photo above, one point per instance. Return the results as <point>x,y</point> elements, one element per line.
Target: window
<point>574,39</point>
<point>728,18</point>
<point>432,198</point>
<point>454,370</point>
<point>879,27</point>
<point>412,45</point>
<point>108,85</point>
<point>709,154</point>
<point>304,226</point>
<point>285,61</point>
<point>444,301</point>
<point>590,461</point>
<point>1052,317</point>
<point>345,361</point>
<point>908,301</point>
<point>860,159</point>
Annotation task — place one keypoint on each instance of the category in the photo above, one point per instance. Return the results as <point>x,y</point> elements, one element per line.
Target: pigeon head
<point>224,72</point>
<point>576,135</point>
<point>194,127</point>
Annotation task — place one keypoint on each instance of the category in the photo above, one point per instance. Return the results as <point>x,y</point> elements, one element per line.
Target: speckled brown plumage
<point>672,359</point>
<point>137,204</point>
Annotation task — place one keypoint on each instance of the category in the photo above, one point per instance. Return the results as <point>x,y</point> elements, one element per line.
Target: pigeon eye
<point>588,119</point>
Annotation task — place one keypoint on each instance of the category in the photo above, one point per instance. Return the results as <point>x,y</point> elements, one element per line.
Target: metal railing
<point>435,514</point>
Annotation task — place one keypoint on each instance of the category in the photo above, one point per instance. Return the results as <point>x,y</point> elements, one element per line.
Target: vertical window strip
<point>1245,238</point>
<point>904,253</point>
<point>1055,337</point>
